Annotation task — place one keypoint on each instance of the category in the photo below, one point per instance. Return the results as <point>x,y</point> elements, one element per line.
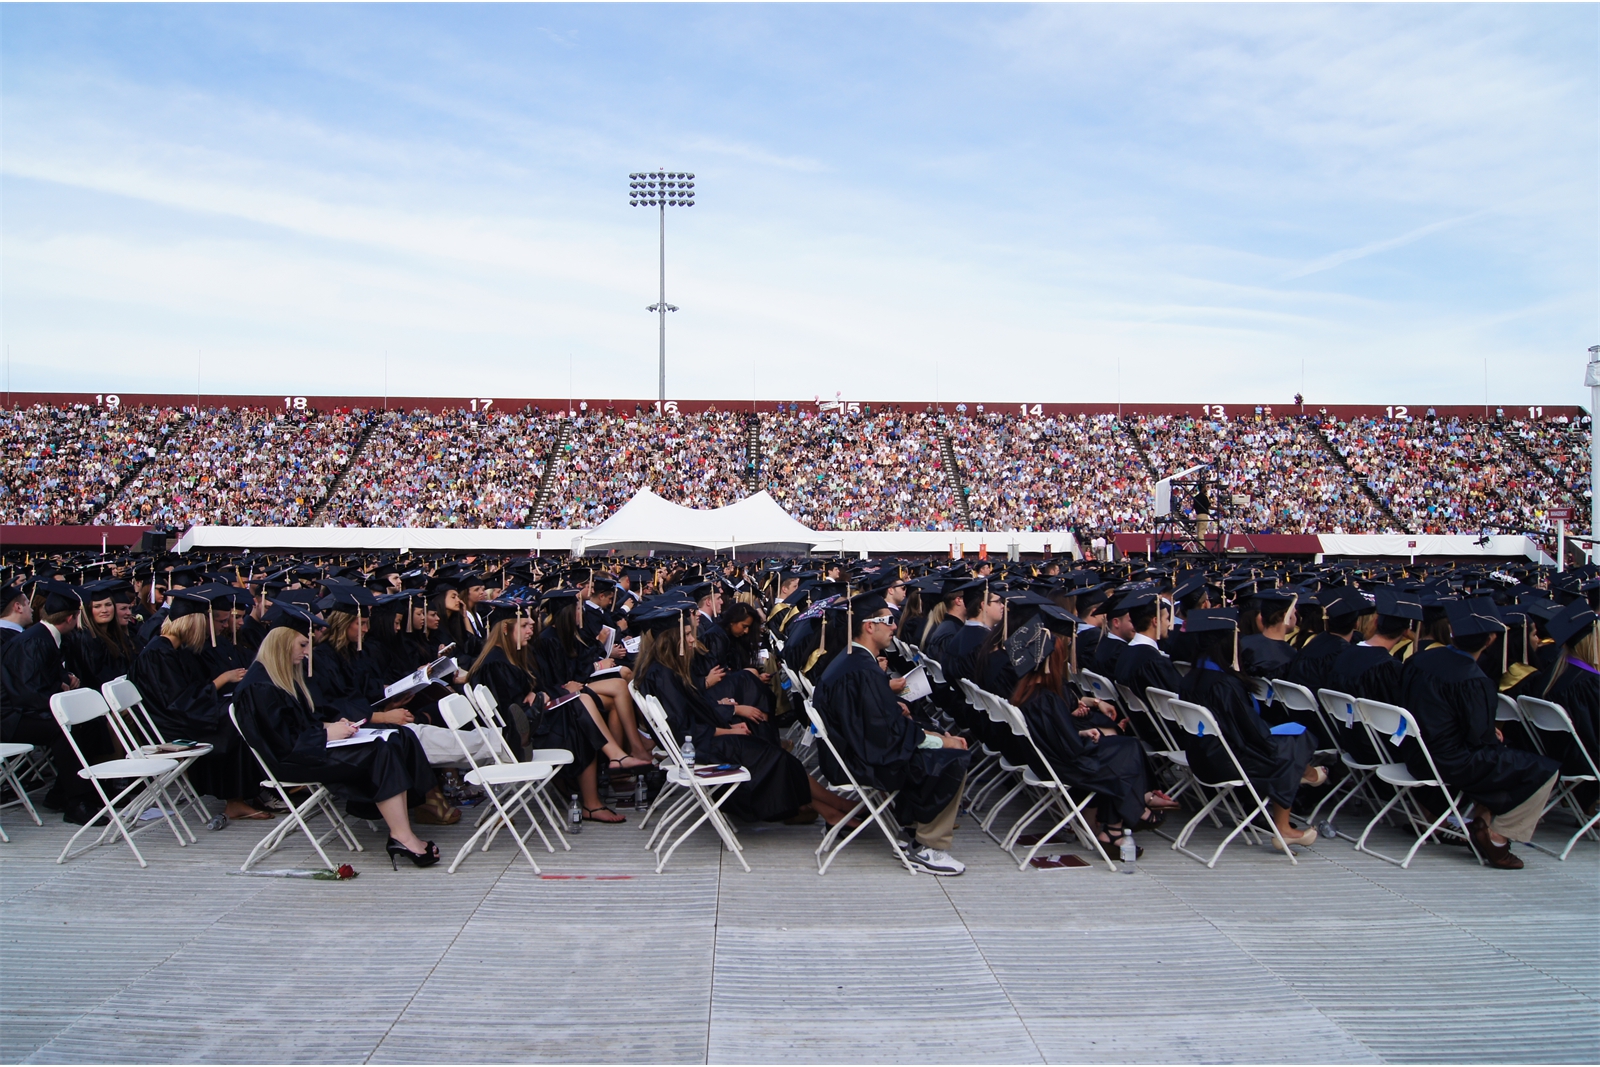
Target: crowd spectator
<point>695,460</point>
<point>239,467</point>
<point>1030,472</point>
<point>1281,465</point>
<point>1561,445</point>
<point>858,470</point>
<point>62,464</point>
<point>1448,475</point>
<point>448,468</point>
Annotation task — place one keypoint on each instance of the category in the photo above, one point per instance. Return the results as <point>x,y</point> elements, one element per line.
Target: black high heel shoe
<point>423,859</point>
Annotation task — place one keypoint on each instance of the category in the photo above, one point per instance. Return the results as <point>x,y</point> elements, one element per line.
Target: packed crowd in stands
<point>1446,475</point>
<point>62,464</point>
<point>866,470</point>
<point>244,467</point>
<point>1079,473</point>
<point>695,460</point>
<point>843,467</point>
<point>450,468</point>
<point>1283,468</point>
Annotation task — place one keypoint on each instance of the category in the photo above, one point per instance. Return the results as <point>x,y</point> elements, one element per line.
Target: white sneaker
<point>936,861</point>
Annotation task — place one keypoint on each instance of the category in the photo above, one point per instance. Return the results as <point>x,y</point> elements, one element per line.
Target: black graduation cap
<point>1030,647</point>
<point>1399,605</point>
<point>498,611</point>
<point>1131,600</point>
<point>347,598</point>
<point>59,596</point>
<point>1469,618</point>
<point>1211,620</point>
<point>1575,618</point>
<point>294,617</point>
<point>1343,602</point>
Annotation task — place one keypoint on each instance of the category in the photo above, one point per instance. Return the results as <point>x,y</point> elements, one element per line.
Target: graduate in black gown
<point>385,777</point>
<point>1454,704</point>
<point>1143,664</point>
<point>567,655</point>
<point>99,649</point>
<point>542,713</point>
<point>779,788</point>
<point>1370,668</point>
<point>1267,652</point>
<point>1574,683</point>
<point>186,700</point>
<point>886,749</point>
<point>1112,766</point>
<point>1315,664</point>
<point>1277,764</point>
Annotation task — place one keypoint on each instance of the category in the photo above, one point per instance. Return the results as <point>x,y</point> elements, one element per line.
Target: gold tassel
<point>211,624</point>
<point>1235,648</point>
<point>358,627</point>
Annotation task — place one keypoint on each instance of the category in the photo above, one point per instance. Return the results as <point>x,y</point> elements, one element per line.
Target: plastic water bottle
<point>688,752</point>
<point>639,793</point>
<point>1130,852</point>
<point>575,815</point>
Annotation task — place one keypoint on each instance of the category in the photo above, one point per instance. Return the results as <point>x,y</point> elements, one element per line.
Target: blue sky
<point>1009,203</point>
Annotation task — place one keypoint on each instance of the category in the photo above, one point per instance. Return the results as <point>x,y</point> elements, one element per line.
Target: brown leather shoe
<point>1499,857</point>
<point>435,811</point>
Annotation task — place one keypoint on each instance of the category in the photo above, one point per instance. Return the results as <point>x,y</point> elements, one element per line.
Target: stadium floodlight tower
<point>662,189</point>
<point>1592,380</point>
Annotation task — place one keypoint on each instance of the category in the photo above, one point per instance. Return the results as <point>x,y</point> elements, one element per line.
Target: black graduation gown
<point>1106,654</point>
<point>961,652</point>
<point>177,690</point>
<point>1088,645</point>
<point>252,631</point>
<point>866,726</point>
<point>94,660</point>
<point>558,667</point>
<point>35,671</point>
<point>1366,671</point>
<point>1454,704</point>
<point>1578,692</point>
<point>1314,666</point>
<point>909,628</point>
<point>569,726</point>
<point>1143,666</point>
<point>1181,646</point>
<point>1114,768</point>
<point>291,737</point>
<point>10,710</point>
<point>778,785</point>
<point>940,638</point>
<point>151,628</point>
<point>1275,763</point>
<point>1262,657</point>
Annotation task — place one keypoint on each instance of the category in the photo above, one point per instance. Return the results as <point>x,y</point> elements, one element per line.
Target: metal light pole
<point>1592,379</point>
<point>662,189</point>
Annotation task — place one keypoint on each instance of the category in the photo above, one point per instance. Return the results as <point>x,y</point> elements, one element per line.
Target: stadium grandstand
<point>175,462</point>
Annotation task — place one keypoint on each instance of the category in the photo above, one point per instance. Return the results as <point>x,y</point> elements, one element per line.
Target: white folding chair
<point>1344,722</point>
<point>1097,685</point>
<point>875,805</point>
<point>1051,794</point>
<point>318,800</point>
<point>703,794</point>
<point>492,726</point>
<point>1199,722</point>
<point>1386,722</point>
<point>1548,717</point>
<point>1181,779</point>
<point>12,756</point>
<point>1509,711</point>
<point>136,729</point>
<point>146,779</point>
<point>507,785</point>
<point>1296,697</point>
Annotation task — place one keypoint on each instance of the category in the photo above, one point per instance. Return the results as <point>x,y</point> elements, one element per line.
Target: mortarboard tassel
<point>358,627</point>
<point>1235,648</point>
<point>211,624</point>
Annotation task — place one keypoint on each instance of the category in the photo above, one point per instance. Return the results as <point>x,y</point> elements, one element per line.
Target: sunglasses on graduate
<point>886,620</point>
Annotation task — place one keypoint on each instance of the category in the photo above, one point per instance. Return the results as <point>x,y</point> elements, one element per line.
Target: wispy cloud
<point>1346,255</point>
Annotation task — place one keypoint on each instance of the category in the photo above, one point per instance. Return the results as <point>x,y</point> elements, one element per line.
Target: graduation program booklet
<point>419,679</point>
<point>917,685</point>
<point>362,736</point>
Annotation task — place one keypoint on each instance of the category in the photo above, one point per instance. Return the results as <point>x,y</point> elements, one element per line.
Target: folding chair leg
<point>8,775</point>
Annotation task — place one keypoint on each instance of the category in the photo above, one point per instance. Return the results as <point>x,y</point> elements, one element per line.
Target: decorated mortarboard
<point>1030,647</point>
<point>1573,620</point>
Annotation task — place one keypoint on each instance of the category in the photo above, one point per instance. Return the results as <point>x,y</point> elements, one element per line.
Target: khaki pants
<point>1519,823</point>
<point>1202,526</point>
<point>942,830</point>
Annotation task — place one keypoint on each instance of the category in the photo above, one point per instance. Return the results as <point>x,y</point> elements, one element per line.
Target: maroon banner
<point>812,404</point>
<point>70,536</point>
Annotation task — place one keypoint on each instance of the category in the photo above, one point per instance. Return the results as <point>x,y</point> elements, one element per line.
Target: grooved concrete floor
<point>1342,958</point>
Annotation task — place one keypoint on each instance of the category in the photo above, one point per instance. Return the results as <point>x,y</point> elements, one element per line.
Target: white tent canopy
<point>756,523</point>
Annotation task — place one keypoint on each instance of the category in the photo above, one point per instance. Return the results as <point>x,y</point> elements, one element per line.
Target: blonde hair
<point>277,656</point>
<point>339,631</point>
<point>1586,650</point>
<point>935,617</point>
<point>190,631</point>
